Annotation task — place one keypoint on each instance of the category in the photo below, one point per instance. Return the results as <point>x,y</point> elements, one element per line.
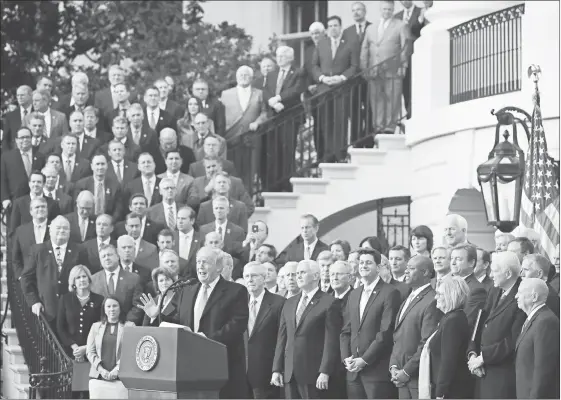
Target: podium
<point>171,363</point>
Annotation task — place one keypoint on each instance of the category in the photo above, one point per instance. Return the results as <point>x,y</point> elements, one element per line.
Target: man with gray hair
<point>169,142</point>
<point>491,354</point>
<point>537,348</point>
<point>285,85</point>
<point>317,31</point>
<point>55,121</point>
<point>245,108</point>
<point>455,230</point>
<point>537,266</point>
<point>12,120</point>
<point>502,239</point>
<point>82,219</point>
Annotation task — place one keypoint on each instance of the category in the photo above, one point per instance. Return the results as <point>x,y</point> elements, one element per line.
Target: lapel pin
<point>50,251</point>
<point>228,231</point>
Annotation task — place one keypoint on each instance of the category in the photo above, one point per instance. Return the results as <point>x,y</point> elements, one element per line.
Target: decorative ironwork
<point>394,221</point>
<point>486,55</point>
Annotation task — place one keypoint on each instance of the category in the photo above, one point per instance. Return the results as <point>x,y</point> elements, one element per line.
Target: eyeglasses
<point>24,138</point>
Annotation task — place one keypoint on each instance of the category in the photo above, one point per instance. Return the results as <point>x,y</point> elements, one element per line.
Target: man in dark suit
<point>94,127</point>
<point>103,230</point>
<point>29,234</point>
<point>212,107</point>
<point>218,310</point>
<point>64,201</point>
<point>82,220</point>
<point>335,60</point>
<point>15,171</point>
<point>113,280</point>
<point>402,287</point>
<point>366,338</point>
<point>491,355</point>
<point>165,212</point>
<point>145,253</point>
<point>126,249</point>
<point>12,120</point>
<point>154,117</point>
<point>266,66</point>
<point>149,229</point>
<point>169,142</point>
<point>410,16</point>
<point>416,321</point>
<point>87,146</point>
<point>147,183</point>
<point>77,101</point>
<point>186,242</point>
<point>120,169</point>
<point>73,167</point>
<point>140,133</point>
<point>166,104</point>
<point>56,124</point>
<point>263,325</point>
<point>307,246</point>
<point>463,259</point>
<point>359,108</point>
<point>482,268</point>
<point>197,168</point>
<point>108,194</point>
<point>537,266</point>
<point>537,347</point>
<point>45,277</point>
<point>21,211</point>
<point>307,351</point>
<point>120,129</point>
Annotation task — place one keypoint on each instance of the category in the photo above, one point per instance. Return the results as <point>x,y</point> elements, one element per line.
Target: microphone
<point>178,284</point>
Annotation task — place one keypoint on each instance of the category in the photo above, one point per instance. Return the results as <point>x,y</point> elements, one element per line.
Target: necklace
<point>83,298</point>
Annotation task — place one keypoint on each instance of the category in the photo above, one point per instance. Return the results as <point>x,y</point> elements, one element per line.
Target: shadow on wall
<point>469,204</point>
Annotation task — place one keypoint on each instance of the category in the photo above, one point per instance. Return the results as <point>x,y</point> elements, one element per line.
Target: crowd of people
<point>112,197</point>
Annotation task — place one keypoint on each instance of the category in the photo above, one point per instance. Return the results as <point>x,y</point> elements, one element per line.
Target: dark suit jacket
<point>412,330</point>
<point>449,373</point>
<point>215,110</point>
<point>346,61</point>
<point>487,283</point>
<point>188,267</point>
<point>165,120</point>
<point>74,321</point>
<point>130,172</point>
<point>197,168</point>
<point>169,313</point>
<point>185,153</point>
<point>10,125</point>
<point>404,288</point>
<point>81,170</point>
<point>371,337</point>
<point>128,291</point>
<point>113,195</point>
<point>23,240</point>
<point>14,182</point>
<point>137,186</point>
<point>292,87</point>
<point>237,214</point>
<point>41,280</point>
<point>157,214</point>
<point>59,123</point>
<point>148,138</point>
<point>224,319</point>
<point>64,106</point>
<point>86,151</point>
<point>132,151</point>
<point>554,283</point>
<point>21,215</point>
<point>295,250</point>
<point>92,251</point>
<point>553,300</point>
<point>145,275</point>
<point>65,201</point>
<point>147,255</point>
<point>311,348</point>
<point>237,192</point>
<point>174,109</point>
<point>496,337</point>
<point>476,300</point>
<point>75,228</point>
<point>350,34</point>
<point>151,231</point>
<point>308,66</point>
<point>233,238</point>
<point>537,357</point>
<point>262,341</point>
<point>413,23</point>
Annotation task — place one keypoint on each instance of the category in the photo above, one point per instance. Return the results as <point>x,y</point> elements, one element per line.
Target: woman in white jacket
<point>104,352</point>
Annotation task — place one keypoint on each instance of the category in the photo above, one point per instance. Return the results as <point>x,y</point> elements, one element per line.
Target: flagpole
<point>534,72</point>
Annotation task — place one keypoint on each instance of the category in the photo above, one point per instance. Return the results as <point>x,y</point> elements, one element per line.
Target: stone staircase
<point>15,374</point>
<point>371,174</point>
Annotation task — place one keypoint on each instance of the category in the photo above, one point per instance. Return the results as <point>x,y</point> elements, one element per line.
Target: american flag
<point>540,199</point>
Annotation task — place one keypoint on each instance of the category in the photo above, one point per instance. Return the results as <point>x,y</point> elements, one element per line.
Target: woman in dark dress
<point>162,278</point>
<point>447,365</point>
<point>77,311</point>
<point>421,240</point>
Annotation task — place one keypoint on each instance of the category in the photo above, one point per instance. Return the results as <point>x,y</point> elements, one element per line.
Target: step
<point>390,142</point>
<point>260,214</point>
<point>12,335</point>
<point>309,185</point>
<point>276,200</point>
<point>8,320</point>
<point>4,284</point>
<point>367,156</point>
<point>338,170</point>
<point>23,390</point>
<point>20,373</point>
<point>15,354</point>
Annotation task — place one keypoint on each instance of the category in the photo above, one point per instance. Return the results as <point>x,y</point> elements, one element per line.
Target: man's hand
<point>312,89</point>
<point>253,126</point>
<point>400,377</point>
<point>479,372</point>
<point>37,308</point>
<point>278,107</point>
<point>475,362</point>
<point>356,365</point>
<point>277,380</point>
<point>201,333</point>
<point>79,351</point>
<point>322,382</point>
<point>6,203</point>
<point>210,187</point>
<point>249,239</point>
<point>273,100</point>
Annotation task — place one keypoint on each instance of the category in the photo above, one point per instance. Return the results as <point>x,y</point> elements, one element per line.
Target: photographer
<point>256,237</point>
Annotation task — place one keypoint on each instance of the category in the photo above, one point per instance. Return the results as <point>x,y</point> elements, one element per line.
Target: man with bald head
<point>307,351</point>
<point>169,142</point>
<point>262,328</point>
<point>45,273</point>
<point>537,266</point>
<point>416,321</point>
<point>224,319</point>
<point>491,355</point>
<point>537,348</point>
<point>455,230</point>
<point>82,219</point>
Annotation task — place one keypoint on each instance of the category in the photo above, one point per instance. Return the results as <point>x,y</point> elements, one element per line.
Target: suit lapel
<point>311,304</point>
<point>527,327</point>
<point>214,296</point>
<point>504,303</point>
<point>100,333</point>
<point>373,296</point>
<point>412,304</point>
<point>263,311</point>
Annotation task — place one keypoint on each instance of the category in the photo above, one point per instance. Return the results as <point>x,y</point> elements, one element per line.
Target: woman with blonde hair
<point>77,311</point>
<point>104,352</point>
<point>443,369</point>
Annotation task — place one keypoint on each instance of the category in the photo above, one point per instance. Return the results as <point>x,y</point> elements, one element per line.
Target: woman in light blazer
<point>104,352</point>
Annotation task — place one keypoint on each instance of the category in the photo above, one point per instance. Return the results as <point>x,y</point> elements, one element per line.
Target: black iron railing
<point>394,220</point>
<point>50,368</point>
<point>320,129</point>
<point>486,55</point>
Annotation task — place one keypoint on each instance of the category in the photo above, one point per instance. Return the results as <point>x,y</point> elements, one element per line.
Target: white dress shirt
<point>174,176</point>
<point>413,294</point>
<point>364,297</point>
<point>64,162</point>
<point>103,242</point>
<point>244,94</point>
<point>259,300</point>
<point>358,26</point>
<point>39,231</point>
<point>81,140</point>
<point>149,183</point>
<point>168,208</point>
<point>92,133</point>
<point>532,313</point>
<point>115,277</point>
<point>119,166</point>
<point>223,226</point>
<point>340,296</point>
<point>47,115</point>
<point>309,297</point>
<point>185,241</point>
<point>310,247</point>
<point>142,226</point>
<point>22,111</point>
<point>62,250</point>
<point>382,27</point>
<point>197,311</point>
<point>155,112</point>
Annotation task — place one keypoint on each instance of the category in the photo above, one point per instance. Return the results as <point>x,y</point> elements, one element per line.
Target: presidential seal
<point>146,353</point>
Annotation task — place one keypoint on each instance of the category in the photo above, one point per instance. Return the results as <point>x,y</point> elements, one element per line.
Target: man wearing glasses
<point>16,167</point>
